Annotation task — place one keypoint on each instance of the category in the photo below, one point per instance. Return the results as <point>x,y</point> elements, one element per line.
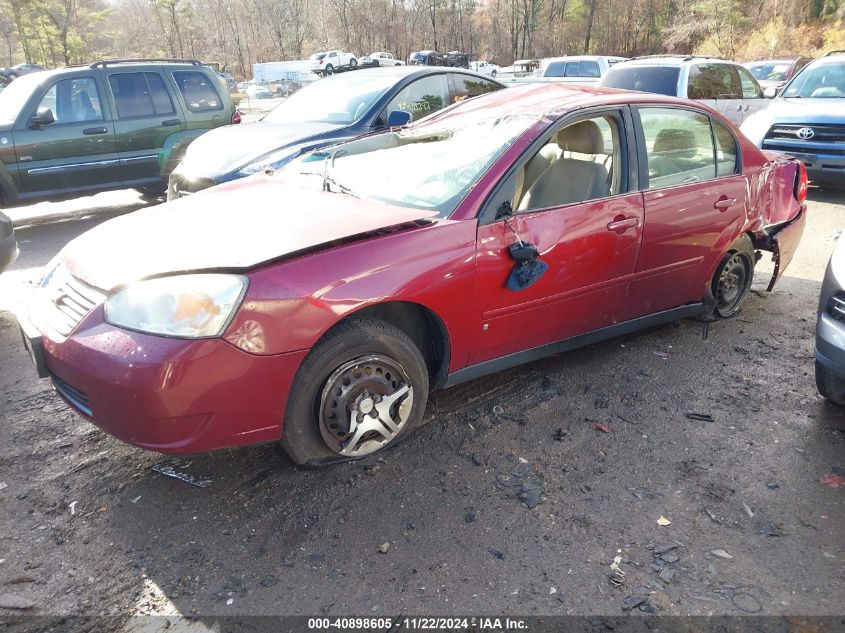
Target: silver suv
<point>807,119</point>
<point>725,86</point>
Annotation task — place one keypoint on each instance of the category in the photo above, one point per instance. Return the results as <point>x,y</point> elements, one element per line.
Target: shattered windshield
<point>428,167</point>
<point>819,81</point>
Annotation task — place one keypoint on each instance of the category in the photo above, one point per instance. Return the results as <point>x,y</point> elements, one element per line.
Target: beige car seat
<point>569,180</point>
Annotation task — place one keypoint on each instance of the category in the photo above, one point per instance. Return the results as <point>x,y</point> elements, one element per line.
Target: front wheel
<point>358,392</point>
<point>830,386</point>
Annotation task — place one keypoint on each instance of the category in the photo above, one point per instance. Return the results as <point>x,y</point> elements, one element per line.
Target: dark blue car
<point>327,112</point>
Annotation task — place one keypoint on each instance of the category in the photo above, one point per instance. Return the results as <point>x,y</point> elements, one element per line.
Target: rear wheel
<point>359,391</point>
<point>152,193</point>
<point>329,70</point>
<point>353,62</point>
<point>731,283</point>
<point>829,385</point>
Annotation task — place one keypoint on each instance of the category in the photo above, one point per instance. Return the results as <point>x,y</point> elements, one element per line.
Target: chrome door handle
<point>620,226</point>
<point>739,108</point>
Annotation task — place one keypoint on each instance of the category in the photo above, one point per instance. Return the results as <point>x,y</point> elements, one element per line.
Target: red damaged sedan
<point>317,306</point>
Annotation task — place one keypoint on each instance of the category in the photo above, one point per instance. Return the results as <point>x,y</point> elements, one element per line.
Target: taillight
<point>801,183</point>
<point>236,117</point>
<point>321,62</point>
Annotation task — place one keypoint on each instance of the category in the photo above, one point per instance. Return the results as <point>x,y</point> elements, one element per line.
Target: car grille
<point>77,398</point>
<point>836,307</point>
<point>826,139</point>
<point>66,300</point>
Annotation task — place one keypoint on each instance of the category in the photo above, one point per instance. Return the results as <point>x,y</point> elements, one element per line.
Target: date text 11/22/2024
<point>417,623</point>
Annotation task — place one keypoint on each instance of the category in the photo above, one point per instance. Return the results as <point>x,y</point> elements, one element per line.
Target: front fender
<point>174,148</point>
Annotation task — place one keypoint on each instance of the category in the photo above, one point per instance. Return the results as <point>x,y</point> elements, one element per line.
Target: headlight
<point>274,161</point>
<point>189,306</point>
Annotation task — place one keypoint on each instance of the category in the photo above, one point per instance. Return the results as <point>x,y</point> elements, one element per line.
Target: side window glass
<point>750,89</point>
<point>580,162</point>
<point>73,100</point>
<point>421,97</point>
<point>197,90</point>
<point>679,146</point>
<point>158,93</point>
<point>590,69</point>
<point>466,87</point>
<point>732,80</point>
<point>705,82</point>
<point>131,96</point>
<point>726,150</point>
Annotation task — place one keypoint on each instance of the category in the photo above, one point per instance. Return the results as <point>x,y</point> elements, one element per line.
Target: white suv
<point>328,62</point>
<point>725,86</point>
<point>585,70</point>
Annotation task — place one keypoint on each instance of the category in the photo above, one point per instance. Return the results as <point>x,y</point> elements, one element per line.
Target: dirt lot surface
<point>441,524</point>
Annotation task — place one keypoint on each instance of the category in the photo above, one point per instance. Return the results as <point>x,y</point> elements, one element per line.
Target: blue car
<point>324,113</point>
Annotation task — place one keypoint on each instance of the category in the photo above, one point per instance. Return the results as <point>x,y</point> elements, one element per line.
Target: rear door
<point>201,100</point>
<point>694,196</point>
<point>146,116</point>
<point>718,86</point>
<point>77,150</point>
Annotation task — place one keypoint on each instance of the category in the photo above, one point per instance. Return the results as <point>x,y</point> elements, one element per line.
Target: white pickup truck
<point>381,58</point>
<point>326,63</point>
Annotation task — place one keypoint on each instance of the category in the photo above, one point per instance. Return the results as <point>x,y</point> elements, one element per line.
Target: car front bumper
<point>830,323</point>
<point>165,394</point>
<point>179,185</point>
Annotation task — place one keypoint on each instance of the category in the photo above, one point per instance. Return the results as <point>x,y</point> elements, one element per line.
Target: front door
<point>571,202</point>
<point>718,86</point>
<point>694,195</point>
<point>77,150</point>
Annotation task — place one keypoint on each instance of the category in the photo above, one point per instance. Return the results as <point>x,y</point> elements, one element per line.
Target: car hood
<point>235,226</point>
<point>806,110</point>
<point>232,147</point>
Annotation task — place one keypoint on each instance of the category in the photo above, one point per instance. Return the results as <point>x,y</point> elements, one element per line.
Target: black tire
<point>493,74</point>
<point>152,193</point>
<point>351,344</point>
<point>830,386</point>
<point>374,63</point>
<point>353,62</point>
<point>329,70</point>
<point>731,282</point>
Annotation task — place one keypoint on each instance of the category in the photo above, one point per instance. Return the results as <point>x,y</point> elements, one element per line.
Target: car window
<point>713,81</point>
<point>573,69</point>
<point>769,71</point>
<point>467,86</point>
<point>726,150</point>
<point>679,146</point>
<point>580,162</point>
<point>555,69</point>
<point>197,90</point>
<point>661,80</point>
<point>750,88</point>
<point>73,100</point>
<point>589,69</point>
<point>139,94</point>
<point>421,97</point>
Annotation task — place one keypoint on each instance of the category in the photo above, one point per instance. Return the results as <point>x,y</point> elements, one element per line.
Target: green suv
<point>111,125</point>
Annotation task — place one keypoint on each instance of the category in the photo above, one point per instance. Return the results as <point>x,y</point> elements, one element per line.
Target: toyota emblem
<point>805,133</point>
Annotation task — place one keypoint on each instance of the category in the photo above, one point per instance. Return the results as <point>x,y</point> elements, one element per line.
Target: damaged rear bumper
<point>783,242</point>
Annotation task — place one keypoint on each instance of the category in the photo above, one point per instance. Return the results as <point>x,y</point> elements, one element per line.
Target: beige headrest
<point>583,137</point>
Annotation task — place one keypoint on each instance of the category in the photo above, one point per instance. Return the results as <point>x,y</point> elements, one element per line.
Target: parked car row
<point>401,228</point>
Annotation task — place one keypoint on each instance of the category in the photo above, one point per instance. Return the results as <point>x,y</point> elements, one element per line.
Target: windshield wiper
<point>328,181</point>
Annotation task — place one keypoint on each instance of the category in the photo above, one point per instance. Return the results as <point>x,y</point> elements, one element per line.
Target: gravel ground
<point>442,523</point>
